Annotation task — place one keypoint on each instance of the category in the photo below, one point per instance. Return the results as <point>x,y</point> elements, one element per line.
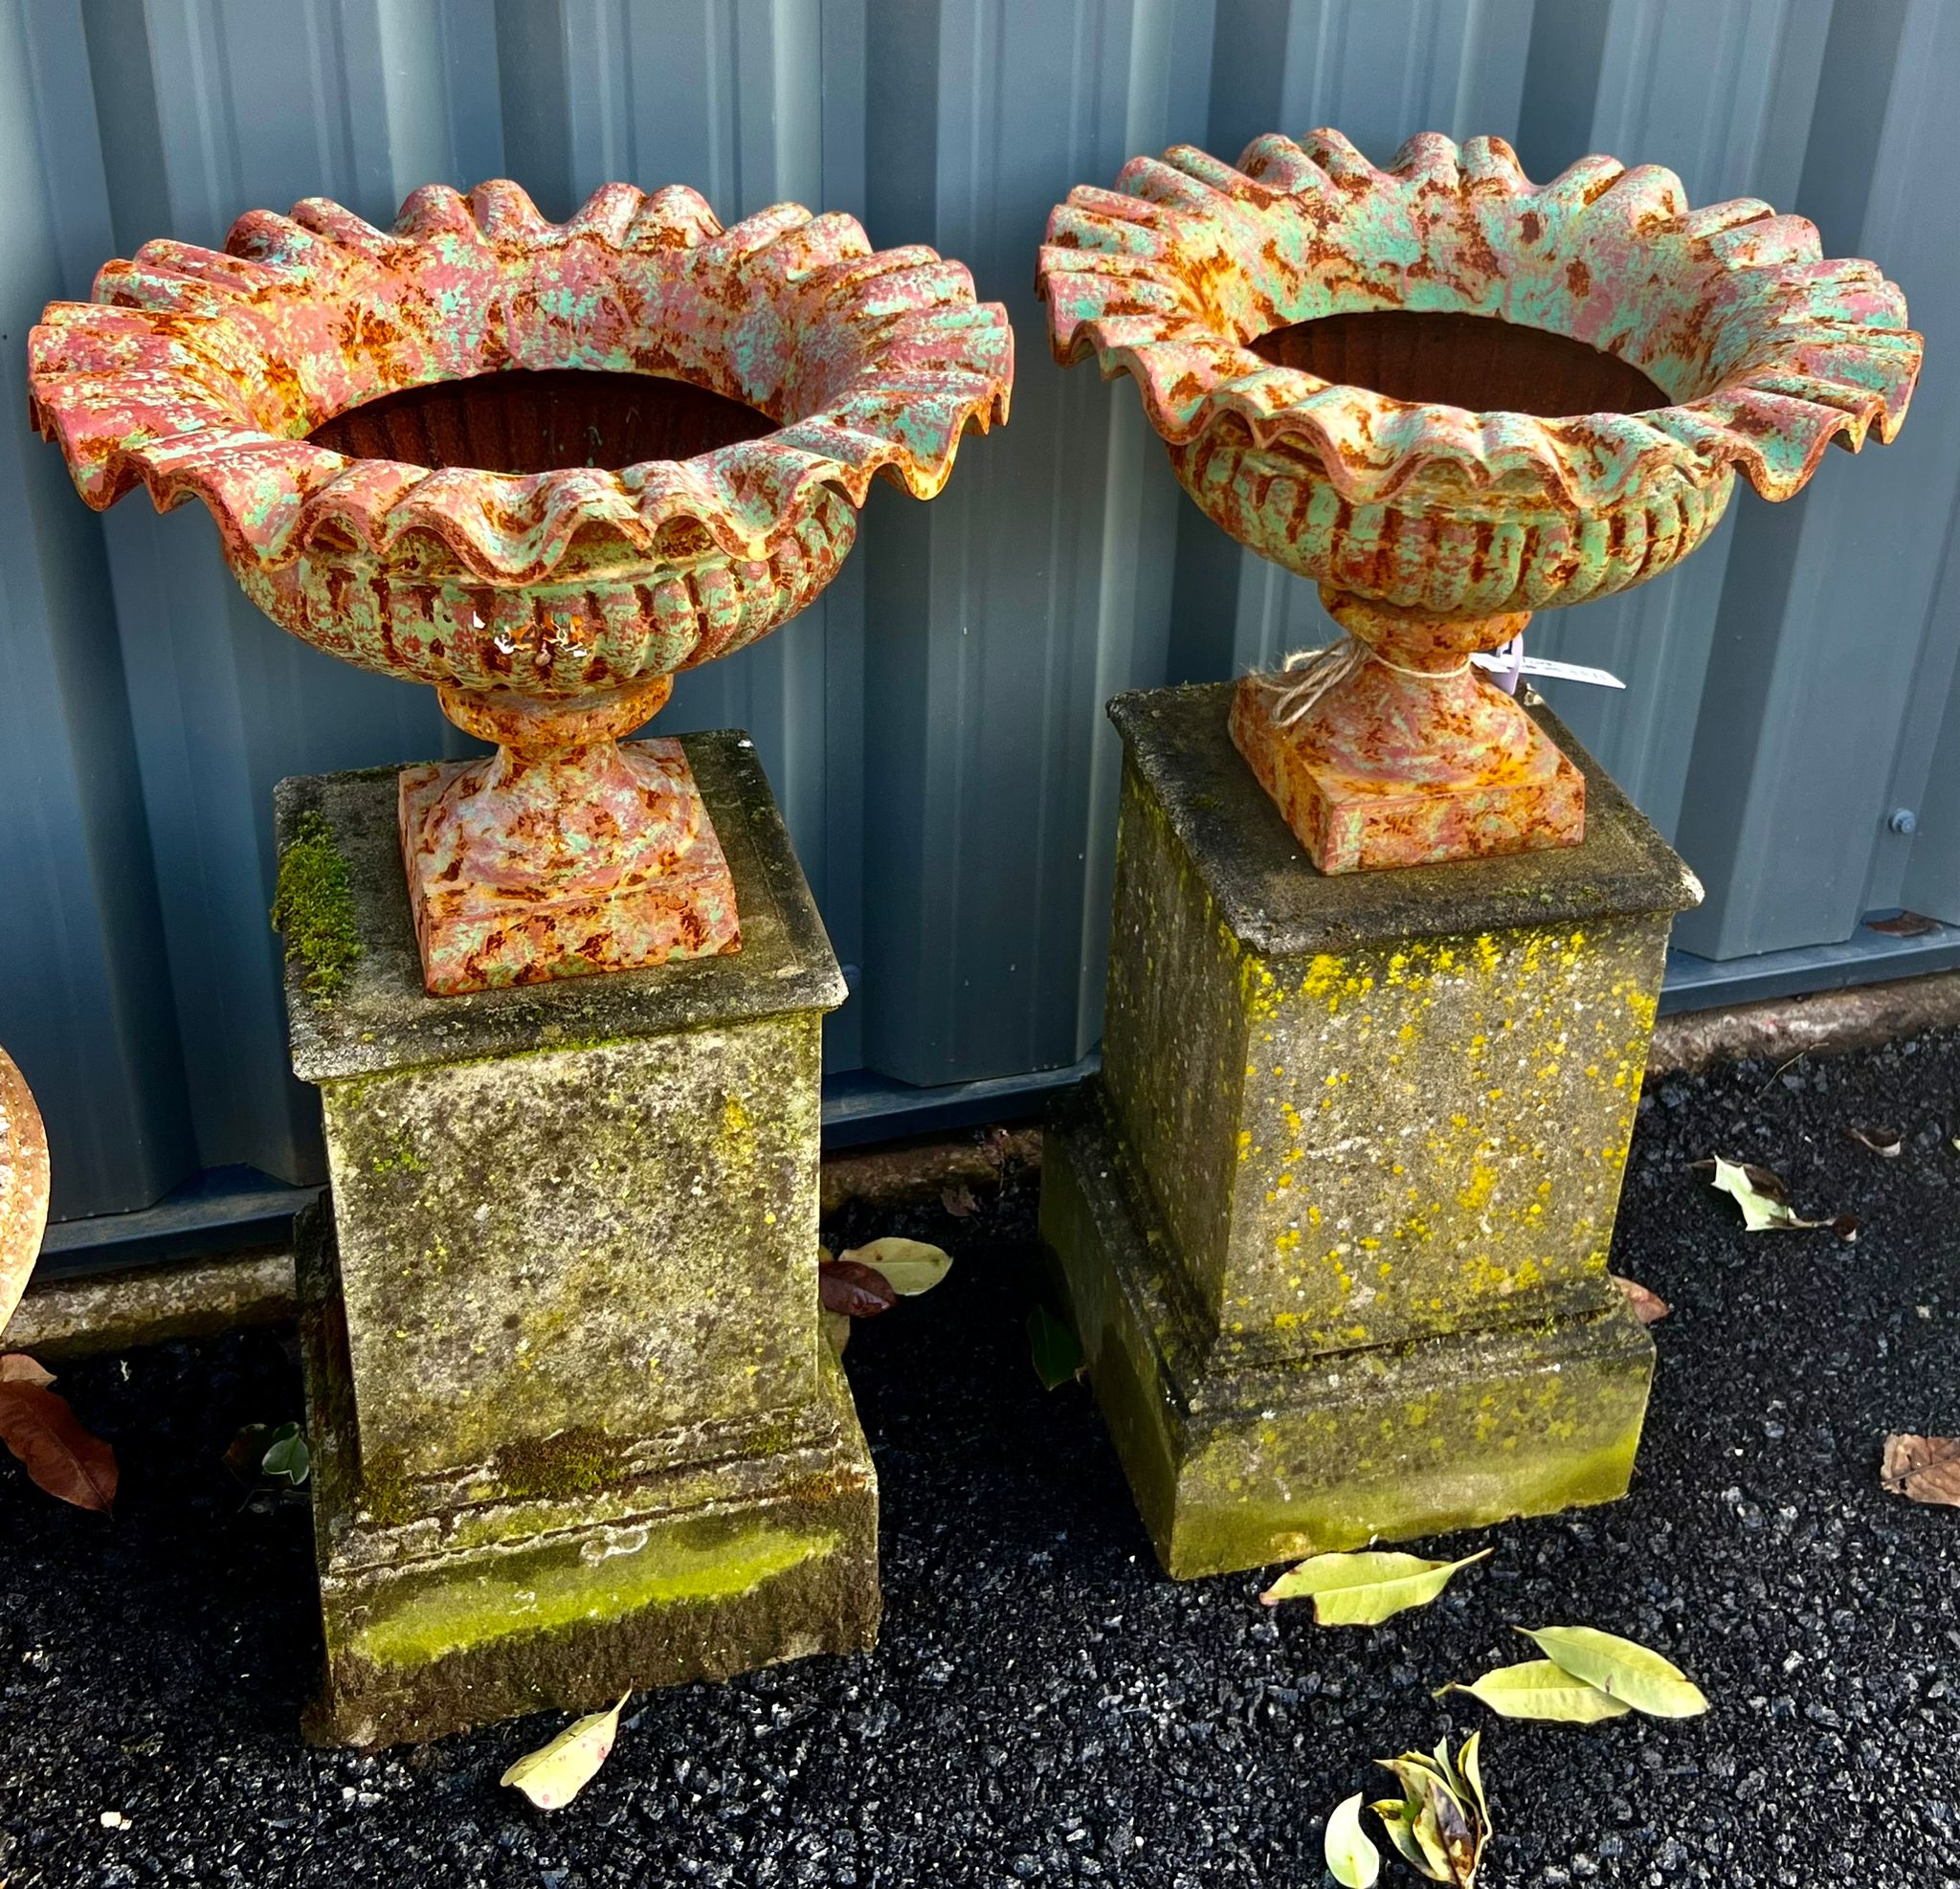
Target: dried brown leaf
<point>1906,925</point>
<point>1649,1307</point>
<point>17,1368</point>
<point>1887,1143</point>
<point>1924,1469</point>
<point>959,1201</point>
<point>845,1286</point>
<point>59,1455</point>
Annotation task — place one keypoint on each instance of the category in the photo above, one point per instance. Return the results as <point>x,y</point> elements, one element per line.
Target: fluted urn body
<point>1451,398</point>
<point>542,467</point>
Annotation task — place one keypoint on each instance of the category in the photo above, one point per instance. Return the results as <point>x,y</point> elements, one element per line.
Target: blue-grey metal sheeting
<point>934,726</point>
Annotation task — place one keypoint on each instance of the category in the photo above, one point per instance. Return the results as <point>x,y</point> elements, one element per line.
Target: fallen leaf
<point>1926,1469</point>
<point>59,1456</point>
<point>1365,1589</point>
<point>959,1201</point>
<point>17,1368</point>
<point>1539,1689</point>
<point>1649,1307</point>
<point>1887,1143</point>
<point>555,1773</point>
<point>908,1265</point>
<point>1621,1668</point>
<point>1906,925</point>
<point>846,1285</point>
<point>1765,1201</point>
<point>837,1327</point>
<point>1054,1347</point>
<point>286,1454</point>
<point>1353,1859</point>
<point>1443,1820</point>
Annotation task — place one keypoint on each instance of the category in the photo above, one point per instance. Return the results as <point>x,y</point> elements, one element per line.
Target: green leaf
<point>1443,1822</point>
<point>1622,1668</point>
<point>555,1773</point>
<point>1539,1689</point>
<point>1353,1859</point>
<point>288,1455</point>
<point>1398,1820</point>
<point>1365,1589</point>
<point>1056,1349</point>
<point>1470,1763</point>
<point>909,1266</point>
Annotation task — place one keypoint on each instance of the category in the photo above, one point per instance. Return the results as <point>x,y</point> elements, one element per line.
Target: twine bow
<point>1306,675</point>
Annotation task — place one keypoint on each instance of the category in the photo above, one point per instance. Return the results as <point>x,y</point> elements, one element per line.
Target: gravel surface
<point>1044,1707</point>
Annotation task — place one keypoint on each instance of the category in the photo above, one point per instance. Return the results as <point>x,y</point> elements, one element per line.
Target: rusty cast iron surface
<point>541,466</point>
<point>1452,398</point>
<point>23,1186</point>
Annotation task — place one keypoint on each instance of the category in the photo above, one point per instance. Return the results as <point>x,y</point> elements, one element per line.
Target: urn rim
<point>201,373</point>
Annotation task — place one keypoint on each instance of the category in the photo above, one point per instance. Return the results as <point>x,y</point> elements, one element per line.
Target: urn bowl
<point>542,467</point>
<point>1451,397</point>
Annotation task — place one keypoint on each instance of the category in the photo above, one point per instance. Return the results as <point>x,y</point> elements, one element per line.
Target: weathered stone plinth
<point>1335,1221</point>
<point>575,1426</point>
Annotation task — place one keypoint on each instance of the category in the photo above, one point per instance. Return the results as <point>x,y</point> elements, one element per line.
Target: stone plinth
<point>575,1426</point>
<point>1335,1220</point>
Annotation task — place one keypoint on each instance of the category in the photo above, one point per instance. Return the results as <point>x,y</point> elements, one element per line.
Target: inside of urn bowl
<point>537,420</point>
<point>1477,362</point>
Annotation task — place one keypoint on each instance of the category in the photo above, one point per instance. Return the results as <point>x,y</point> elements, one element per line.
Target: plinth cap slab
<point>1279,905</point>
<point>382,1019</point>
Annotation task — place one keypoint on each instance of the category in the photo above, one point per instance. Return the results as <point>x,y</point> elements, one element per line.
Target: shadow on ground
<point>1044,1707</point>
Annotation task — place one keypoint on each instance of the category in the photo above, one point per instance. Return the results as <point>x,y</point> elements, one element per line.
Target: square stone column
<point>1335,1220</point>
<point>575,1426</point>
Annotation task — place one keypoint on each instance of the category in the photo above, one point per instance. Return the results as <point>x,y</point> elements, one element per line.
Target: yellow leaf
<point>1365,1589</point>
<point>909,1266</point>
<point>1623,1668</point>
<point>1353,1859</point>
<point>1539,1689</point>
<point>555,1773</point>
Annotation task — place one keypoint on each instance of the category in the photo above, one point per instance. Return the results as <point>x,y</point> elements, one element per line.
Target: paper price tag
<point>1556,671</point>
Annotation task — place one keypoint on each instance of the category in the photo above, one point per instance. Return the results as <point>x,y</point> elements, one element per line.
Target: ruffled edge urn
<point>23,1186</point>
<point>1767,350</point>
<point>200,372</point>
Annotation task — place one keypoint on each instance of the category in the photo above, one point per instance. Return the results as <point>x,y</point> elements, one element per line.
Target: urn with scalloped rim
<point>542,467</point>
<point>1452,398</point>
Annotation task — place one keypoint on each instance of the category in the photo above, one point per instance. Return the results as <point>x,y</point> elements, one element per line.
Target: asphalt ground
<point>1044,1706</point>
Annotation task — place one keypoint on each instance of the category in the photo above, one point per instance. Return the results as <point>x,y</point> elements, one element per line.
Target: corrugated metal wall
<point>934,726</point>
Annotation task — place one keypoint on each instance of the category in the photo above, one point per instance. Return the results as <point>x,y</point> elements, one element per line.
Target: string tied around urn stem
<point>1315,673</point>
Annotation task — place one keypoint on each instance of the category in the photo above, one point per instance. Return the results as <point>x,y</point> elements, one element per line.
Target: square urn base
<point>1348,823</point>
<point>576,1428</point>
<point>1334,1222</point>
<point>476,935</point>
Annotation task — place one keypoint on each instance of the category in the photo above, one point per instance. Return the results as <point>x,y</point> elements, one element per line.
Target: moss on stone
<point>574,1463</point>
<point>542,1595</point>
<point>313,907</point>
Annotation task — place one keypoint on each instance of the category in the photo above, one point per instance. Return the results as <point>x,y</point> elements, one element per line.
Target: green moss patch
<point>546,1592</point>
<point>313,907</point>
